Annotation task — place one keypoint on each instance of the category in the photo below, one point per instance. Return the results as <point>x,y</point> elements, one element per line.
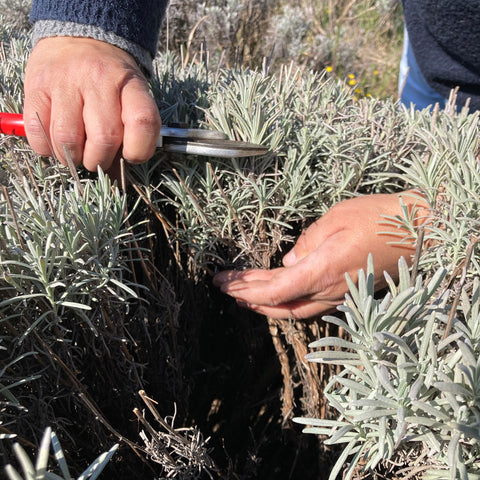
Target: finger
<point>36,116</point>
<point>295,310</point>
<point>66,127</point>
<point>309,240</point>
<point>229,276</point>
<point>103,128</point>
<point>141,121</point>
<point>319,276</point>
<point>269,287</point>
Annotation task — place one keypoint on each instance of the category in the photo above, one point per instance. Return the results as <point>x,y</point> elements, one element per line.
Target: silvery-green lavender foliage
<point>409,386</point>
<point>64,243</point>
<point>40,471</point>
<point>67,250</point>
<point>446,170</point>
<point>404,384</point>
<point>13,59</point>
<point>15,14</point>
<point>405,387</point>
<point>405,393</point>
<point>324,147</point>
<point>64,247</point>
<point>65,254</point>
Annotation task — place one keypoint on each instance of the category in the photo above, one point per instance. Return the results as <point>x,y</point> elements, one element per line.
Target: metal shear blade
<point>197,141</point>
<point>194,141</point>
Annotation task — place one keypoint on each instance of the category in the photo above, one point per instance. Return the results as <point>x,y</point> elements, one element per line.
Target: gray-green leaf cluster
<point>77,327</point>
<point>403,386</point>
<point>40,471</point>
<point>324,147</point>
<point>64,246</point>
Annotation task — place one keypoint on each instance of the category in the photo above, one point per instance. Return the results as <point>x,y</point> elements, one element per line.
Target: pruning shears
<point>194,141</point>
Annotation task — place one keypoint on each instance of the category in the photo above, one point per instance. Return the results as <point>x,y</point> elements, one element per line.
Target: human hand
<point>312,279</point>
<point>91,98</point>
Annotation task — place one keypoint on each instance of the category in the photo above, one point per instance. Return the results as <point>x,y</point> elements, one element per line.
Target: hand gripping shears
<point>194,141</point>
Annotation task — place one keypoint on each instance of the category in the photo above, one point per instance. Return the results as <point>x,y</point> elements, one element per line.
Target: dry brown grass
<point>357,38</point>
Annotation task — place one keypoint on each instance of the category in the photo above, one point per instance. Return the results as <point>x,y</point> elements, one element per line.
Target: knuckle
<point>36,113</point>
<point>100,70</point>
<point>37,136</point>
<point>37,78</point>
<point>34,128</point>
<point>63,134</point>
<point>146,119</point>
<point>106,139</point>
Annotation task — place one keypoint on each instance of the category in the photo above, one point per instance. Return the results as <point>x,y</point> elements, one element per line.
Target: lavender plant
<point>406,394</point>
<point>14,51</point>
<point>83,273</point>
<point>15,14</point>
<point>73,247</point>
<point>40,471</point>
<point>73,318</point>
<point>445,169</point>
<point>323,148</point>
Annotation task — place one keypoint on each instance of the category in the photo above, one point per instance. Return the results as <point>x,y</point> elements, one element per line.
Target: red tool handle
<point>12,124</point>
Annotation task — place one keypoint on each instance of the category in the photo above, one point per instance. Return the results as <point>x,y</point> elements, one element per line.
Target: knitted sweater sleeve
<point>132,25</point>
<point>445,40</point>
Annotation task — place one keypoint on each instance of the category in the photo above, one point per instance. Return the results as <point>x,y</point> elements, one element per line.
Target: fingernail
<point>220,278</point>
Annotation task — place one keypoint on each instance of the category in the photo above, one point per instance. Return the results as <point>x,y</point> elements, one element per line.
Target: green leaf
<point>60,457</point>
<point>94,470</point>
<point>333,357</point>
<point>455,388</point>
<point>350,449</point>
<point>430,409</point>
<point>25,462</point>
<point>364,416</point>
<point>74,305</point>
<point>12,473</point>
<point>43,453</point>
<point>334,342</point>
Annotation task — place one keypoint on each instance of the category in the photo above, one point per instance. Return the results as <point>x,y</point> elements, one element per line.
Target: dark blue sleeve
<point>138,21</point>
<point>445,40</point>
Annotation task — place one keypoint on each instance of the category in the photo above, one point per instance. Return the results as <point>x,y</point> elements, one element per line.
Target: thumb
<point>290,258</point>
<point>308,241</point>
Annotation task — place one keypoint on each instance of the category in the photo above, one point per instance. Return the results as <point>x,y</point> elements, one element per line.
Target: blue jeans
<point>416,90</point>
